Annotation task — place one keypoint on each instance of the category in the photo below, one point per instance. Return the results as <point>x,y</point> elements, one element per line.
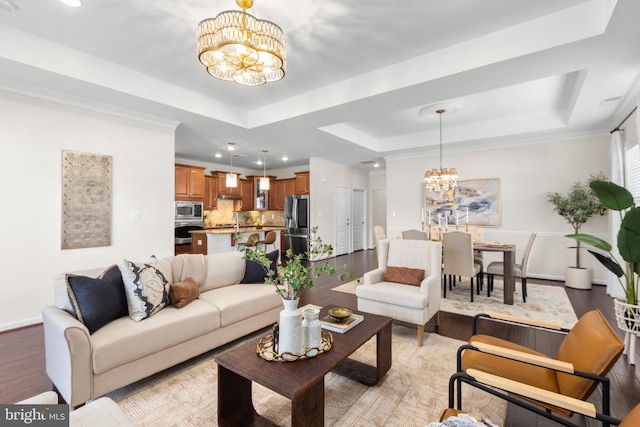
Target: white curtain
<point>617,176</point>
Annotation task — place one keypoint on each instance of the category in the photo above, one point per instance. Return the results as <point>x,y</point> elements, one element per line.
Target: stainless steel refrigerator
<point>296,223</point>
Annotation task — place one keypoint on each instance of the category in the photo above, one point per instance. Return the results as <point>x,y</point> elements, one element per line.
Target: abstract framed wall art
<point>86,200</point>
<point>473,202</point>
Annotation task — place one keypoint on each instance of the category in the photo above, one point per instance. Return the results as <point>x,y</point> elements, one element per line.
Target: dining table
<point>508,258</point>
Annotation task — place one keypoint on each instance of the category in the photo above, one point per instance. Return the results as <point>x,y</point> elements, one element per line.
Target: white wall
<point>527,173</point>
<point>377,203</point>
<point>324,176</point>
<point>32,136</point>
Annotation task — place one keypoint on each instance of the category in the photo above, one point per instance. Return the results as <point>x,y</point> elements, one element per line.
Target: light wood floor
<point>22,364</point>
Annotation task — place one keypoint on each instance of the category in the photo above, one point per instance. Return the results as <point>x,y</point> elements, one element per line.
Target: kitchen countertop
<point>232,230</point>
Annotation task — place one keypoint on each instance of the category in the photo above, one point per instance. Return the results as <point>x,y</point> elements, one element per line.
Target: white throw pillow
<point>146,287</point>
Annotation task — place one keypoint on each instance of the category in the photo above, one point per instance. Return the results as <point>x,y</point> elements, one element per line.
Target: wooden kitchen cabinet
<point>210,192</point>
<point>276,195</point>
<point>198,243</point>
<point>189,182</point>
<point>246,191</point>
<point>222,184</point>
<point>302,182</point>
<point>289,187</point>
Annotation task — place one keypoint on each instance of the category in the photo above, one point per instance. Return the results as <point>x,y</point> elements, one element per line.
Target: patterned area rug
<point>413,393</point>
<point>543,301</point>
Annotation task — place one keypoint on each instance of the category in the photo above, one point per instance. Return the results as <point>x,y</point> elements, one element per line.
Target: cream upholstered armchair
<point>406,284</point>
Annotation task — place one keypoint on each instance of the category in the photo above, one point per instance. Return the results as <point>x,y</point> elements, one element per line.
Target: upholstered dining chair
<point>414,235</point>
<point>379,233</point>
<point>519,270</point>
<point>545,385</point>
<point>406,284</point>
<point>457,260</point>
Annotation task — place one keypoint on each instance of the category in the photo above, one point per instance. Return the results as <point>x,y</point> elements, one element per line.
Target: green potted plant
<point>577,207</point>
<point>297,273</point>
<point>619,199</point>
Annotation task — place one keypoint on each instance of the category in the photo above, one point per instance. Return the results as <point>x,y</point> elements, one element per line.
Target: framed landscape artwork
<point>86,200</point>
<point>473,202</point>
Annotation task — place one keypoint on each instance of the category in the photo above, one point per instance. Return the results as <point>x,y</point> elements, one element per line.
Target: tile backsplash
<point>224,215</point>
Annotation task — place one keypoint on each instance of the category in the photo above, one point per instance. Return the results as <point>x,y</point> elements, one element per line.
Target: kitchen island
<point>215,240</point>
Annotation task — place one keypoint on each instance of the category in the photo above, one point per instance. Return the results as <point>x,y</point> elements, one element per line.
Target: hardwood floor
<point>22,364</point>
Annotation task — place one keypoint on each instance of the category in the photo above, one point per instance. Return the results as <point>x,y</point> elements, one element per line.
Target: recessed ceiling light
<point>285,158</point>
<point>376,165</point>
<point>218,155</point>
<point>259,162</point>
<point>231,146</point>
<point>72,3</point>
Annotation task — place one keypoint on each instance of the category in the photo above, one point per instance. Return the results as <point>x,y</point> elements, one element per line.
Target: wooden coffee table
<point>301,381</point>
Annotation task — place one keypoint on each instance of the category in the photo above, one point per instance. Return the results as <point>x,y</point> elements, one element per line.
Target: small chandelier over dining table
<point>441,180</point>
<point>236,46</point>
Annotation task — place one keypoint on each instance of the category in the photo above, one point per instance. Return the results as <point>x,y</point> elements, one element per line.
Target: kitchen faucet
<point>235,215</point>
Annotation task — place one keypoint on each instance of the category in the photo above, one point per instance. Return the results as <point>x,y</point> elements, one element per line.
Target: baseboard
<point>20,324</point>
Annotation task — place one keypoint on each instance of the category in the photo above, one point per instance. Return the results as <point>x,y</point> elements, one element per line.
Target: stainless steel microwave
<point>188,210</point>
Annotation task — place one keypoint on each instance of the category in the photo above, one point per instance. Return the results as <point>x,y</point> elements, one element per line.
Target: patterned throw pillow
<point>146,287</point>
<point>97,301</point>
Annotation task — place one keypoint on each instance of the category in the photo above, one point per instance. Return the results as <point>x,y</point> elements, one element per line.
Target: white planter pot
<point>577,278</point>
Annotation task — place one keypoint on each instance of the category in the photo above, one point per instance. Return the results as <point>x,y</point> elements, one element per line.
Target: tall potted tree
<point>619,199</point>
<point>577,207</point>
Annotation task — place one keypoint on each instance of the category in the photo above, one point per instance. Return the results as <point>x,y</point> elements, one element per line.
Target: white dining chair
<point>519,270</point>
<point>414,235</point>
<point>457,259</point>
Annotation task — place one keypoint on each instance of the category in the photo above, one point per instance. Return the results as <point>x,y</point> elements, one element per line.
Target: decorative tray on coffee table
<point>264,349</point>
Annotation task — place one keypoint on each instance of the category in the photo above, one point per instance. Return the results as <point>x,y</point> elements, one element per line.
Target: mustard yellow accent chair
<point>544,385</point>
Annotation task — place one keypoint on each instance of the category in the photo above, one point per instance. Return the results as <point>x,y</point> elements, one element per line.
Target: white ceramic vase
<point>311,330</point>
<point>290,334</point>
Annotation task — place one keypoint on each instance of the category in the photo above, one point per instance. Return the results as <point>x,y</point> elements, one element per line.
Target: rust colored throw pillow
<point>408,276</point>
<point>182,293</point>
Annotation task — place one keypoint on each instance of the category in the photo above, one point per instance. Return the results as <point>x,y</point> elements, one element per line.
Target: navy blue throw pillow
<point>254,272</point>
<point>98,301</point>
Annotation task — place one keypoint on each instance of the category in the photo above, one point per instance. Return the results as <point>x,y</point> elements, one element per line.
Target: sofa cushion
<point>223,269</point>
<point>254,272</point>
<point>182,293</point>
<point>242,301</point>
<point>146,287</point>
<point>124,340</point>
<point>97,301</point>
<point>406,275</point>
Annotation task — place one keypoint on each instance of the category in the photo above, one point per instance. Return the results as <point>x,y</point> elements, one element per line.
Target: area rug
<point>413,393</point>
<point>543,301</point>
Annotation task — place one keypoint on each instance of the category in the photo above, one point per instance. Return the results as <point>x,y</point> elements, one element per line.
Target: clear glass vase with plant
<point>299,271</point>
<point>619,199</point>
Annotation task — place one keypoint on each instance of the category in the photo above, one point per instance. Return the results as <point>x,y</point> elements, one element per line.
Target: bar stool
<point>251,241</point>
<point>269,239</point>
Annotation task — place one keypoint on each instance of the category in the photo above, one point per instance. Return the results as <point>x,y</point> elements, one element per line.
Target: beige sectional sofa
<point>84,365</point>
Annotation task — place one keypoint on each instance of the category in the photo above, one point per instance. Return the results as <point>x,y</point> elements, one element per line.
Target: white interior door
<point>342,220</point>
<point>358,222</point>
